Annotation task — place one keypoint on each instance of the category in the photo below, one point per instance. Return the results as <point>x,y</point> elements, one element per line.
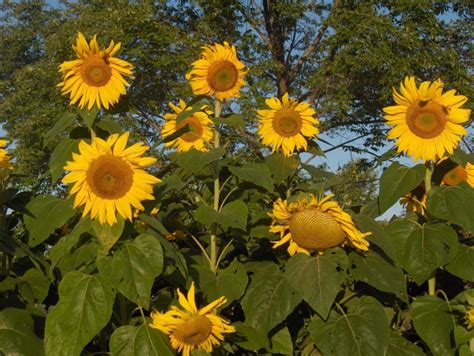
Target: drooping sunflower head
<point>287,124</point>
<point>191,328</point>
<point>5,159</point>
<point>426,122</point>
<point>110,178</point>
<point>415,201</point>
<point>199,124</point>
<point>460,174</point>
<point>218,72</point>
<point>309,224</point>
<point>96,76</point>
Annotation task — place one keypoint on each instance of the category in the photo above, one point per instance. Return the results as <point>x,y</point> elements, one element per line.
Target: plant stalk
<point>213,242</point>
<point>428,175</point>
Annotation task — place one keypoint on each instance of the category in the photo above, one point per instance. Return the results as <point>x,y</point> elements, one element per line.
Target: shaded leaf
<point>89,115</point>
<point>399,346</point>
<point>256,173</point>
<point>462,264</point>
<point>35,286</point>
<point>281,343</point>
<point>108,235</point>
<point>61,154</point>
<point>59,127</point>
<point>193,160</point>
<point>281,167</point>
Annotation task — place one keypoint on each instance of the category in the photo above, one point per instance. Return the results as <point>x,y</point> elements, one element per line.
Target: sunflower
<point>96,76</point>
<point>427,122</point>
<point>312,224</point>
<point>189,328</point>
<point>286,124</point>
<point>470,318</point>
<point>460,174</point>
<point>200,128</point>
<point>218,72</point>
<point>109,178</point>
<point>4,156</point>
<point>415,201</point>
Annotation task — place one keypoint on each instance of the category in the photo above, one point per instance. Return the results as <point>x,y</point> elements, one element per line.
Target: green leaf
<point>256,173</point>
<point>434,323</point>
<point>317,279</point>
<point>250,338</point>
<point>454,204</point>
<point>397,180</point>
<point>281,342</point>
<point>59,127</point>
<point>281,167</point>
<point>135,267</point>
<point>49,213</point>
<point>234,214</point>
<point>229,282</point>
<point>235,121</point>
<point>89,115</point>
<point>372,269</point>
<point>318,174</point>
<point>193,161</point>
<point>399,346</point>
<point>108,235</point>
<point>426,248</point>
<point>462,264</point>
<point>363,331</point>
<point>84,308</point>
<point>61,154</point>
<point>269,299</point>
<point>35,286</point>
<point>186,113</point>
<point>17,336</point>
<point>109,125</point>
<point>138,340</point>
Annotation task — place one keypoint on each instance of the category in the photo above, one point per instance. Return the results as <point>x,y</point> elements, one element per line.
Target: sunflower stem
<point>432,286</point>
<point>213,242</point>
<point>428,175</point>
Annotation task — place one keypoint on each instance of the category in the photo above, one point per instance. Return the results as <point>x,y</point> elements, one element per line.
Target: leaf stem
<point>431,286</point>
<point>213,242</point>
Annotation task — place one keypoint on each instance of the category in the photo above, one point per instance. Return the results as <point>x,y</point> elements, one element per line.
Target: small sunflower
<point>427,122</point>
<point>109,178</point>
<point>312,224</point>
<point>189,328</point>
<point>415,201</point>
<point>470,318</point>
<point>5,159</point>
<point>218,72</point>
<point>200,128</point>
<point>96,77</point>
<point>286,124</point>
<point>460,174</point>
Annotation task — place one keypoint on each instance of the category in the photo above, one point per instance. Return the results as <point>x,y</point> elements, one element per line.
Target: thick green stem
<point>213,242</point>
<point>428,175</point>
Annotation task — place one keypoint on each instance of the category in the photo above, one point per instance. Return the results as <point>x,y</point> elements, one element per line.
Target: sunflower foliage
<point>229,241</point>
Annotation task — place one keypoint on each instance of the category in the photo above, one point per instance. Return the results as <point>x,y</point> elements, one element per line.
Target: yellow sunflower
<point>286,124</point>
<point>96,77</point>
<point>109,178</point>
<point>470,318</point>
<point>217,73</point>
<point>415,201</point>
<point>426,122</point>
<point>189,328</point>
<point>460,174</point>
<point>4,156</point>
<point>312,224</point>
<point>199,124</point>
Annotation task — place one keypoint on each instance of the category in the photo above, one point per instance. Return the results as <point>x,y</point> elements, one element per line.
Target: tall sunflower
<point>287,124</point>
<point>4,156</point>
<point>109,178</point>
<point>460,174</point>
<point>426,122</point>
<point>199,124</point>
<point>415,201</point>
<point>96,77</point>
<point>312,224</point>
<point>189,328</point>
<point>218,72</point>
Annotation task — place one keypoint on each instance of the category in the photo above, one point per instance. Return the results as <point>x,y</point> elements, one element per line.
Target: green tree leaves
<point>84,308</point>
<point>138,340</point>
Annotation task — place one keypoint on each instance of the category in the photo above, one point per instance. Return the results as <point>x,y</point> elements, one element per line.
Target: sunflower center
<point>427,119</point>
<point>315,229</point>
<point>222,75</point>
<point>287,122</point>
<point>95,71</point>
<point>195,129</point>
<point>109,177</point>
<point>455,176</point>
<point>194,331</point>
